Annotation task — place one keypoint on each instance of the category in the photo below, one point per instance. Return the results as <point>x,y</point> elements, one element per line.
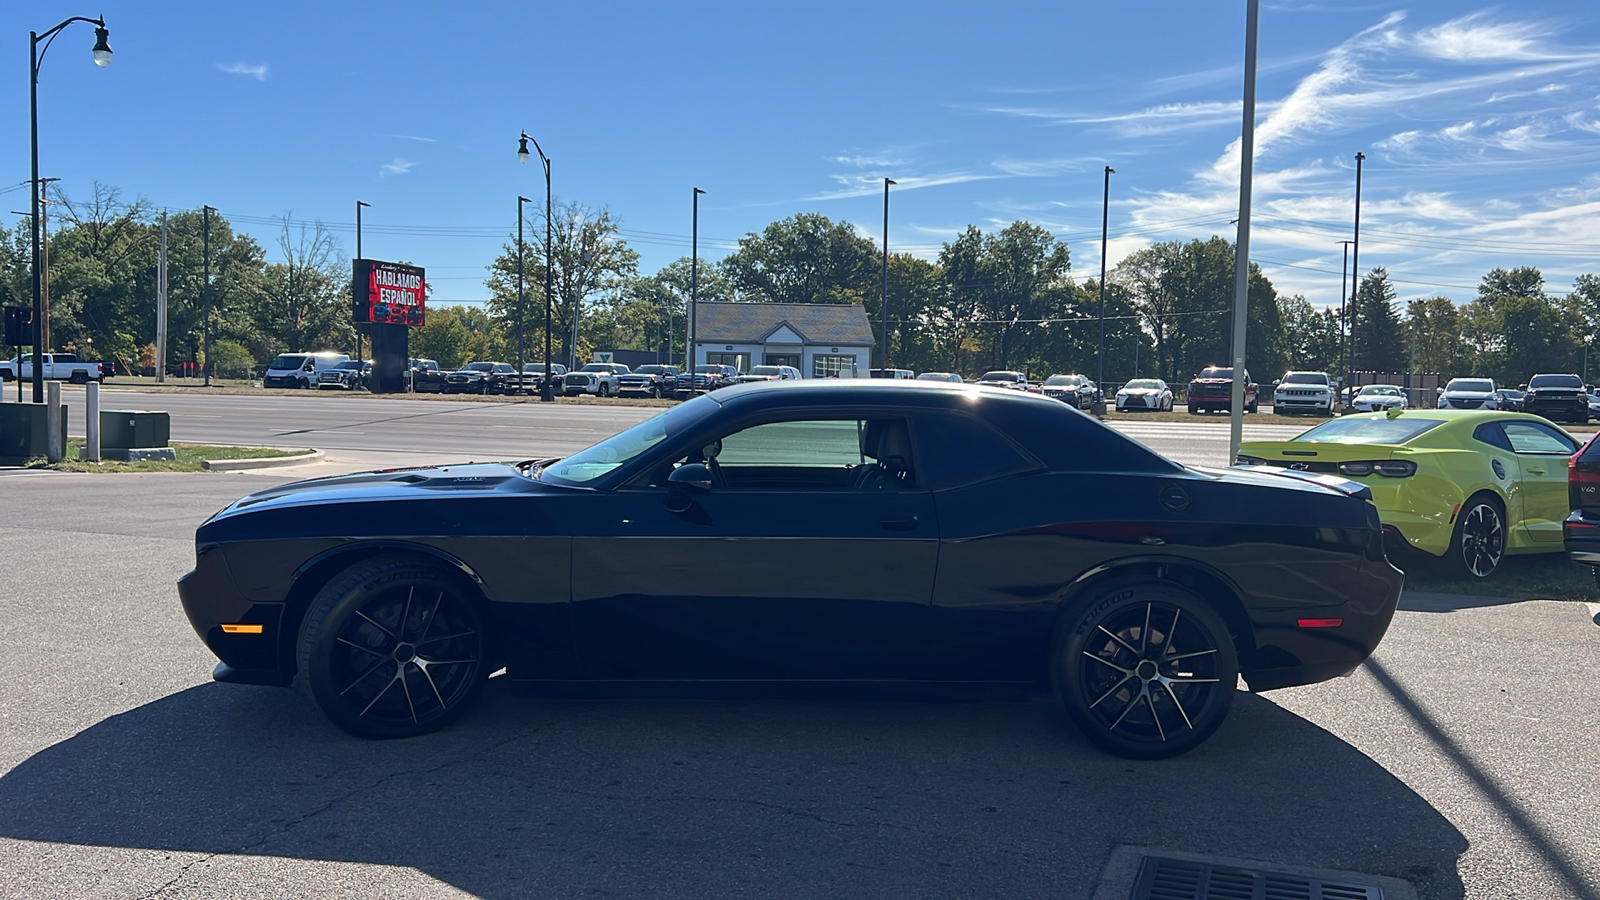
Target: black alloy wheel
<point>1479,542</point>
<point>393,647</point>
<point>1146,671</point>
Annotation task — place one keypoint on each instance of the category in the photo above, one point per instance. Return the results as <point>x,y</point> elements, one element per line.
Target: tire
<point>1167,407</point>
<point>604,390</point>
<point>305,385</point>
<point>1145,670</point>
<point>1478,544</point>
<point>655,392</point>
<point>78,377</point>
<point>1253,406</point>
<point>365,633</point>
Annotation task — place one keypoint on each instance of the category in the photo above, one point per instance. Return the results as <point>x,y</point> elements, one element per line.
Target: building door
<point>783,359</point>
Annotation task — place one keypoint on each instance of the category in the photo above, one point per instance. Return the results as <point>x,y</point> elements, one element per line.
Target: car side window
<point>855,454</point>
<point>1492,434</point>
<point>1537,438</point>
<point>956,450</point>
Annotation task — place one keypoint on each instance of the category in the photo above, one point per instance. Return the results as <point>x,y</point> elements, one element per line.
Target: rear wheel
<point>1146,671</point>
<point>1479,542</point>
<point>393,647</point>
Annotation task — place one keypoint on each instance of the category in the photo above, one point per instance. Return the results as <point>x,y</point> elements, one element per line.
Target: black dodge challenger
<point>861,531</point>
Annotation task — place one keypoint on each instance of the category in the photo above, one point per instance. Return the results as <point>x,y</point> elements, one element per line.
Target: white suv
<point>1298,392</point>
<point>1469,393</point>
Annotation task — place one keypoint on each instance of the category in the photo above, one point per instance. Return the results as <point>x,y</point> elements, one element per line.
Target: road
<point>463,429</point>
<point>1461,758</point>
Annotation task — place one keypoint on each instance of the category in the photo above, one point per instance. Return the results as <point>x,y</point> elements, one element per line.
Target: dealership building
<point>821,340</point>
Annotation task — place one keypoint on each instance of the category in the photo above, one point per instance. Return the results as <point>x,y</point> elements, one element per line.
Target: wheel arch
<point>316,572</point>
<point>1204,581</point>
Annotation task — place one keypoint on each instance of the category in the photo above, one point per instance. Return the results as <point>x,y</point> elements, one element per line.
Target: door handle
<point>1536,470</point>
<point>905,524</point>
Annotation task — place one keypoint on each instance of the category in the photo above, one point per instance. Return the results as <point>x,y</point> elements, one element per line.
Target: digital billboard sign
<point>389,293</point>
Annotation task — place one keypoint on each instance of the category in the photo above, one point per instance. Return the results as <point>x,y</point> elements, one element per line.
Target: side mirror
<point>684,484</point>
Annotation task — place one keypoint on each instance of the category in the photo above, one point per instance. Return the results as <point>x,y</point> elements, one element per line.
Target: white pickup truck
<point>57,367</point>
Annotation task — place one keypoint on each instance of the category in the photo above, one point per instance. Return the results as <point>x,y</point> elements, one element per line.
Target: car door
<point>1541,452</point>
<point>792,565</point>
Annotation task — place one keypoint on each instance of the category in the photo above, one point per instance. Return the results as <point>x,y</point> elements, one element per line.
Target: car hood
<point>1469,395</point>
<point>387,484</point>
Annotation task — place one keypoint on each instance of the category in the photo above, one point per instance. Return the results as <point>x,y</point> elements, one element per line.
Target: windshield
<point>596,367</point>
<point>708,370</point>
<point>764,370</point>
<point>1305,378</point>
<point>478,367</point>
<point>1001,376</point>
<point>1475,385</point>
<point>649,370</point>
<point>1057,380</point>
<point>1215,372</point>
<point>934,376</point>
<point>286,361</point>
<point>1515,395</point>
<point>1564,381</point>
<point>1384,390</point>
<point>589,464</point>
<point>1375,429</point>
<point>1142,384</point>
<point>348,364</point>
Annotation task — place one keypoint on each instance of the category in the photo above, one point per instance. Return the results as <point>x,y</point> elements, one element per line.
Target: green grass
<point>1546,576</point>
<point>189,458</point>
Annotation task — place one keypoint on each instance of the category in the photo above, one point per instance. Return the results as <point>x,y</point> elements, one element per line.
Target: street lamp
<point>102,58</point>
<point>1105,220</point>
<point>694,287</point>
<point>546,394</point>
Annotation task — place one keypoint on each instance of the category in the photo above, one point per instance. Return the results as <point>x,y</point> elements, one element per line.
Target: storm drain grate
<point>1161,878</point>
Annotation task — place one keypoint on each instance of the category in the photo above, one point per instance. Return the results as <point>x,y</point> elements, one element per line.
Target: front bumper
<point>211,599</point>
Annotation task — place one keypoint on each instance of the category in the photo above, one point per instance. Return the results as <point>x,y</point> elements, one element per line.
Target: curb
<point>267,462</point>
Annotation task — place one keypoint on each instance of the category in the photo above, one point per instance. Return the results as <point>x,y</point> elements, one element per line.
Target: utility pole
<point>44,265</point>
<point>161,305</point>
<point>694,286</point>
<point>357,287</point>
<point>205,230</point>
<point>883,296</point>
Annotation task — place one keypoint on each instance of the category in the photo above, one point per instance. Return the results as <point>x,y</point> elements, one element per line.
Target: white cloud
<point>867,185</point>
<point>881,162</point>
<point>410,137</point>
<point>258,72</point>
<point>400,166</point>
<point>1470,39</point>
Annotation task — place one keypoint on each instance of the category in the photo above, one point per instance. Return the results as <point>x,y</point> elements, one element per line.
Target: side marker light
<point>1321,623</point>
<point>242,629</point>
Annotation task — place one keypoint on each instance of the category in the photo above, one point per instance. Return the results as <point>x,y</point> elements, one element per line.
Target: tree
<point>1311,336</point>
<point>1377,342</point>
<point>588,257</point>
<point>1185,294</point>
<point>806,258</point>
<point>1433,330</point>
<point>1523,281</point>
<point>306,297</point>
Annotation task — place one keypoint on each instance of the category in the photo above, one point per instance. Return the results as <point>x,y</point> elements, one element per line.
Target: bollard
<point>91,432</point>
<point>52,423</point>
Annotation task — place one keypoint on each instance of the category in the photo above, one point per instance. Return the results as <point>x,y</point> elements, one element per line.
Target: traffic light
<point>19,326</point>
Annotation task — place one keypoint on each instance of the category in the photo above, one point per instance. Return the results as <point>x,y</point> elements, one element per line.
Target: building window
<point>833,367</point>
<point>740,361</point>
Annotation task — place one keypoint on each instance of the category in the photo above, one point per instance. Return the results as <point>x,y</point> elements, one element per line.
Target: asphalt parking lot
<point>1462,759</point>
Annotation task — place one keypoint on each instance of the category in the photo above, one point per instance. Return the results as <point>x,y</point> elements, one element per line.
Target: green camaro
<point>1466,487</point>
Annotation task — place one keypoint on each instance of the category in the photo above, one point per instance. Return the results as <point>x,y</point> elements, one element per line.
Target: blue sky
<point>1481,125</point>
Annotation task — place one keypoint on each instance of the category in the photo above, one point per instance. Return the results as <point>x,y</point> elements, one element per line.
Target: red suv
<point>1213,389</point>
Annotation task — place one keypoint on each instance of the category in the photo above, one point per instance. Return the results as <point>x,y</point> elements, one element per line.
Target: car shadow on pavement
<point>799,797</point>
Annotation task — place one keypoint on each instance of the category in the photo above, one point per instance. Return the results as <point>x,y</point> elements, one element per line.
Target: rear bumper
<point>1580,535</point>
<point>1289,652</point>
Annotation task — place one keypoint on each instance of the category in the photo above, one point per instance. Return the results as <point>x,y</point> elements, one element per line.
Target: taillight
<point>1583,483</point>
<point>1388,468</point>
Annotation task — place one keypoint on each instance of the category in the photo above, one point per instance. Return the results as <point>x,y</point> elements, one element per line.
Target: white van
<point>300,370</point>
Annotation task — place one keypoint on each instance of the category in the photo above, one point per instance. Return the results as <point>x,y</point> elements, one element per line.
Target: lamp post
<point>1344,282</point>
<point>883,291</point>
<point>1105,221</point>
<point>546,391</point>
<point>694,286</point>
<point>1355,262</point>
<point>102,58</point>
<point>357,287</point>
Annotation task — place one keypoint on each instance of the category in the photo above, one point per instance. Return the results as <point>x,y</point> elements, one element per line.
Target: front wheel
<point>605,389</point>
<point>1479,542</point>
<point>393,647</point>
<point>1146,671</point>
